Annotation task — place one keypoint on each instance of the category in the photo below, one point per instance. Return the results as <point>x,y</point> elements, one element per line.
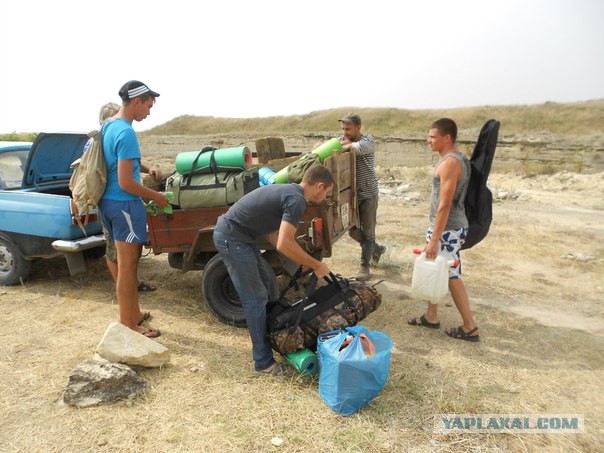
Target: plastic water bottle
<point>430,279</point>
<point>168,209</point>
<point>266,176</point>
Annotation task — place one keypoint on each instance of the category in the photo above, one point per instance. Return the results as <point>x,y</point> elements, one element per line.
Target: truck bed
<point>189,231</point>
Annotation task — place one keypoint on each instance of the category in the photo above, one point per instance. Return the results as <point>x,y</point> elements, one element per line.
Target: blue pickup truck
<point>36,219</point>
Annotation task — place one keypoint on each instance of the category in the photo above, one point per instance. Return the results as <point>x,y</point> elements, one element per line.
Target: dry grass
<point>208,399</point>
<point>14,137</point>
<point>581,118</point>
<point>538,355</point>
<point>537,121</point>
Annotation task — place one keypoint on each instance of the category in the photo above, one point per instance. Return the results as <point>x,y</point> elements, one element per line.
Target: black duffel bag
<point>341,303</point>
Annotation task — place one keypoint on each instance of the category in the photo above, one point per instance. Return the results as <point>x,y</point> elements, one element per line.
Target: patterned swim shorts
<point>450,246</point>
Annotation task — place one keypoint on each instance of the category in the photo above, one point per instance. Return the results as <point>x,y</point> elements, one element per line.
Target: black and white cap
<point>135,88</point>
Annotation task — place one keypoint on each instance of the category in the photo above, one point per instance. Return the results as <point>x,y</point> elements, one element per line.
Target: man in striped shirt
<point>363,145</point>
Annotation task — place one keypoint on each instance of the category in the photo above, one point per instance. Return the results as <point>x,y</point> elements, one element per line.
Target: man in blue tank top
<point>272,212</point>
<point>449,225</point>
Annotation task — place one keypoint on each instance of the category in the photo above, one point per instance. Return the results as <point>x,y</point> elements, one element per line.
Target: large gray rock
<point>123,345</point>
<point>98,381</point>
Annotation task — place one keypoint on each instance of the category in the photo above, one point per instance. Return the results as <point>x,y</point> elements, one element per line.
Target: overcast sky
<point>62,59</point>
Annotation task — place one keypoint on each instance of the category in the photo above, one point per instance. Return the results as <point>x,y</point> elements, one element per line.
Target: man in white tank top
<point>449,226</point>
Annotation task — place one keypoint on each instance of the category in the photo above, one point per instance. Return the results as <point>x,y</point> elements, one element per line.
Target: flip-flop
<point>278,369</point>
<point>460,334</point>
<point>146,317</point>
<point>146,287</point>
<point>424,323</point>
<point>151,333</point>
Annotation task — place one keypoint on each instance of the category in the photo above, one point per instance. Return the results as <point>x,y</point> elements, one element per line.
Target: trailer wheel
<point>220,294</point>
<point>13,266</point>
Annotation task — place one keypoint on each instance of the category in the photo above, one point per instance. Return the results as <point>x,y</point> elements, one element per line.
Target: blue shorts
<point>450,246</point>
<point>126,221</point>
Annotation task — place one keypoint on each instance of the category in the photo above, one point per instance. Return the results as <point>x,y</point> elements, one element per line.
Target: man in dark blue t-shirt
<point>272,212</point>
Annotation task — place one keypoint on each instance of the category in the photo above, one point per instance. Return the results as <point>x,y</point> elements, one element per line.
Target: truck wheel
<point>175,260</point>
<point>13,266</point>
<point>220,294</point>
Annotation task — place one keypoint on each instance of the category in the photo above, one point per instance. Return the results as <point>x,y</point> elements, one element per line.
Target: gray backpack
<point>89,178</point>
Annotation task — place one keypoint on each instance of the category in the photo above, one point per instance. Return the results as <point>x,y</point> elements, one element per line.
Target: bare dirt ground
<point>536,286</point>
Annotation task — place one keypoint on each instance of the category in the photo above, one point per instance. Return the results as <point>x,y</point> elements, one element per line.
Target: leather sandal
<point>146,317</point>
<point>460,334</point>
<point>151,333</point>
<point>145,287</point>
<point>423,322</point>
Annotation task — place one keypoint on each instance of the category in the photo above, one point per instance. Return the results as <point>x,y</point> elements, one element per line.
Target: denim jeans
<point>243,262</point>
<point>365,235</point>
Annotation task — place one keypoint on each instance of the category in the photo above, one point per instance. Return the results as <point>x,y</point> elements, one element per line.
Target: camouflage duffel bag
<point>341,303</point>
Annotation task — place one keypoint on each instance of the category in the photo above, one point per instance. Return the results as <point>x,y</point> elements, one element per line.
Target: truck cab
<point>36,221</point>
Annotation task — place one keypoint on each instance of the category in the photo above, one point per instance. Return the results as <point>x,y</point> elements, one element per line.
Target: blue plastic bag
<point>348,378</point>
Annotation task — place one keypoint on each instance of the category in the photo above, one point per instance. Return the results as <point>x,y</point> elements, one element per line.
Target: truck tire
<point>220,294</point>
<point>175,260</point>
<point>13,266</point>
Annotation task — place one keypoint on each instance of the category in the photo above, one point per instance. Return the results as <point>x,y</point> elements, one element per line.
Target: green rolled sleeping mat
<point>211,190</point>
<point>211,159</point>
<point>328,148</point>
<point>304,361</point>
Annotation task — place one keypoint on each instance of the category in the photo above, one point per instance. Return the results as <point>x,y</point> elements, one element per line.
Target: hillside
<point>580,118</point>
<point>571,120</point>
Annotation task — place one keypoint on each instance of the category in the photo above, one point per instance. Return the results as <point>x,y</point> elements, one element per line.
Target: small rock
<point>94,382</point>
<point>585,258</point>
<point>123,345</point>
<point>198,367</point>
<point>578,257</point>
<point>277,441</point>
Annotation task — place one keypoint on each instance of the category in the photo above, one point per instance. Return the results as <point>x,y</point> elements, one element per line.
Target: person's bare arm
<point>272,238</point>
<point>286,244</point>
<point>130,185</point>
<point>152,170</point>
<point>366,145</point>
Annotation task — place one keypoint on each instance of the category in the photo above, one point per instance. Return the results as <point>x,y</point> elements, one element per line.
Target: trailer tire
<point>13,265</point>
<point>220,294</point>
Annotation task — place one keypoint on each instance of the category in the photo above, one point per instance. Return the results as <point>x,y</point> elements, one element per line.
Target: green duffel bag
<point>211,190</point>
<point>296,170</point>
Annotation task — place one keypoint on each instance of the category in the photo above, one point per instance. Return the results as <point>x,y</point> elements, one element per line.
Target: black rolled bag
<point>341,303</point>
